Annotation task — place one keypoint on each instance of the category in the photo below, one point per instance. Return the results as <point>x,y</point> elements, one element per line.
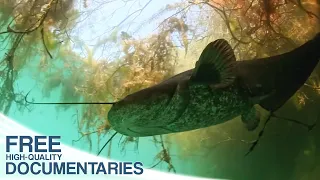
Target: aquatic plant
<point>41,33</point>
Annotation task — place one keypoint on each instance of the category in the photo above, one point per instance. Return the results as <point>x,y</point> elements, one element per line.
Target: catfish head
<point>137,114</point>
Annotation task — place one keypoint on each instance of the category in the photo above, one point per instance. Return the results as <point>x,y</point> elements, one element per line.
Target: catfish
<point>218,89</point>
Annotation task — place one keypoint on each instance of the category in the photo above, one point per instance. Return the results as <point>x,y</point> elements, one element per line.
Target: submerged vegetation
<point>43,34</point>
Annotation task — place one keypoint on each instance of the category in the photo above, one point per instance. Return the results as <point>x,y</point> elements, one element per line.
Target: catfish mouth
<point>136,131</point>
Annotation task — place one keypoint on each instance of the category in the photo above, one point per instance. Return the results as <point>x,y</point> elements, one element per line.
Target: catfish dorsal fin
<point>216,64</point>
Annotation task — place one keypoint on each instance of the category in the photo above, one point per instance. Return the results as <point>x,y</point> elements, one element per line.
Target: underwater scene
<point>224,89</point>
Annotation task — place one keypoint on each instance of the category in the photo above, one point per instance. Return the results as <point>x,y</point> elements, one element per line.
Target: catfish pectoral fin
<point>251,119</point>
<point>258,99</point>
<point>184,99</point>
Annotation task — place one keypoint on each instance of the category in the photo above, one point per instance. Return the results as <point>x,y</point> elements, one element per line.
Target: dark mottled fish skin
<point>178,104</point>
<point>284,74</point>
<point>198,106</point>
<point>209,107</point>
